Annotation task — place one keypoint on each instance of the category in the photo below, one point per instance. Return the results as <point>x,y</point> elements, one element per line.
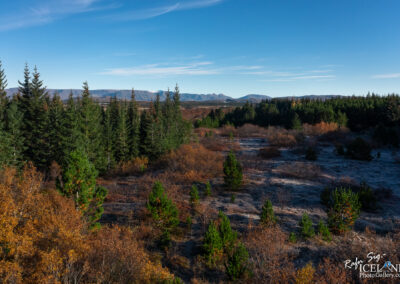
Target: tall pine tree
<point>91,129</point>
<point>121,135</point>
<point>14,126</point>
<point>108,137</point>
<point>133,127</point>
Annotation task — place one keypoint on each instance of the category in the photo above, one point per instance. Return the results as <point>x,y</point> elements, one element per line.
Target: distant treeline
<point>38,128</point>
<point>357,113</point>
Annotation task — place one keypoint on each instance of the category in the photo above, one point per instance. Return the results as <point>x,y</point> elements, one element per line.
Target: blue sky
<point>235,47</point>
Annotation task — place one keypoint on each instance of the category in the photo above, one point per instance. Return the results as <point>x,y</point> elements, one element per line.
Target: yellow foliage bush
<point>193,162</point>
<point>305,275</point>
<point>43,239</point>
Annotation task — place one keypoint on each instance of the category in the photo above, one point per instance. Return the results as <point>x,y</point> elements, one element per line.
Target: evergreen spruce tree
<point>228,236</point>
<point>5,147</point>
<point>296,122</point>
<point>162,208</point>
<point>55,128</point>
<point>121,141</point>
<point>108,138</point>
<point>212,245</point>
<point>233,172</point>
<point>35,111</point>
<point>148,136</point>
<point>3,95</point>
<point>91,129</point>
<point>79,182</point>
<point>133,127</point>
<point>168,121</point>
<point>159,128</point>
<point>72,136</point>
<point>14,126</point>
<point>267,215</point>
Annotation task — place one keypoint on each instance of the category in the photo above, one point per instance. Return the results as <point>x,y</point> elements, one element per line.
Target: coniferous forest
<point>39,128</point>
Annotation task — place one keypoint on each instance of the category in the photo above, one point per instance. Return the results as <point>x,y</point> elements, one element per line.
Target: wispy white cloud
<point>152,12</point>
<point>201,68</point>
<point>46,11</point>
<point>387,76</point>
<point>198,68</point>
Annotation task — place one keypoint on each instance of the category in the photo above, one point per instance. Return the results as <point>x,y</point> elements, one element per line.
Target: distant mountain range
<point>151,96</point>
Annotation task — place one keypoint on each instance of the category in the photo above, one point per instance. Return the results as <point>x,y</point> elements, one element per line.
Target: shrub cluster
<point>343,208</point>
<point>220,243</point>
<point>267,214</point>
<point>233,172</point>
<point>359,149</point>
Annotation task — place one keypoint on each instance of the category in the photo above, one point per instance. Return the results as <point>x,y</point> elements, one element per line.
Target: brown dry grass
<point>192,163</point>
<point>281,137</point>
<point>269,255</point>
<point>251,130</point>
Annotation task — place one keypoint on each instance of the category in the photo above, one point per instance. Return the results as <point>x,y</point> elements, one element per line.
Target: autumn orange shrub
<point>227,130</point>
<point>277,136</point>
<point>251,130</point>
<point>269,254</point>
<point>193,162</point>
<point>216,144</point>
<point>116,257</point>
<point>44,239</point>
<point>135,166</point>
<point>320,128</point>
<point>41,232</point>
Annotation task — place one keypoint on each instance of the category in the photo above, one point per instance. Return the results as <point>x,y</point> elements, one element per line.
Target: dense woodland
<point>357,113</point>
<point>42,129</point>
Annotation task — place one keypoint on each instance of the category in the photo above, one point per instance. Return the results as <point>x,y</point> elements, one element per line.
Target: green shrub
<point>267,214</point>
<point>292,238</point>
<point>306,226</point>
<point>228,236</point>
<point>324,232</point>
<point>367,197</point>
<point>165,240</point>
<point>212,245</point>
<point>162,209</point>
<point>237,263</point>
<point>233,198</point>
<point>233,177</point>
<point>79,183</point>
<point>311,154</point>
<point>359,149</point>
<point>207,191</point>
<point>343,211</point>
<point>194,195</point>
